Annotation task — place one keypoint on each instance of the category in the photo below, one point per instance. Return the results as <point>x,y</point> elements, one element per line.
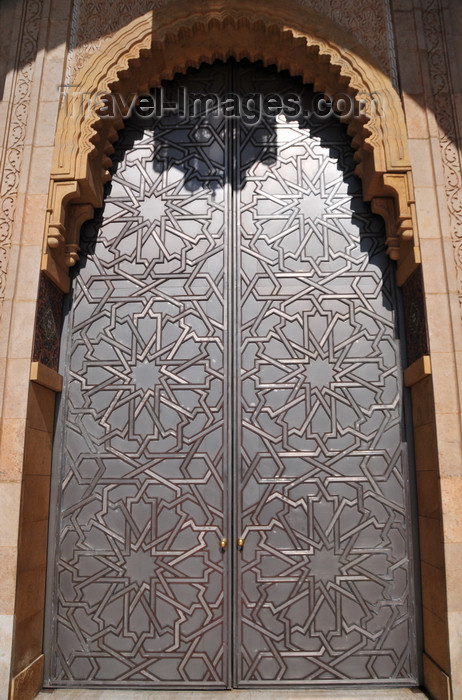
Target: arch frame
<point>156,45</point>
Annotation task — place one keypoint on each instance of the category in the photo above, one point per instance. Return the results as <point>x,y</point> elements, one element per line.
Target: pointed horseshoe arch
<point>162,42</point>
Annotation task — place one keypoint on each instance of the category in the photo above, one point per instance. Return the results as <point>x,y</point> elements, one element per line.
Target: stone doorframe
<point>137,58</point>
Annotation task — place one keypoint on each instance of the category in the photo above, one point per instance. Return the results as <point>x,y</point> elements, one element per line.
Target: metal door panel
<point>324,576</point>
<point>231,370</point>
<point>143,597</point>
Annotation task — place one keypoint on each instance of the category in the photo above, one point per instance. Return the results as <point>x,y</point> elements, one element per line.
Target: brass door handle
<point>223,544</point>
<point>240,544</point>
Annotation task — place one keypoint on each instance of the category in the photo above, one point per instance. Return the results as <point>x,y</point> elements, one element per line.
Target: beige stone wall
<point>428,56</point>
<point>33,40</point>
<point>428,46</point>
<point>453,540</point>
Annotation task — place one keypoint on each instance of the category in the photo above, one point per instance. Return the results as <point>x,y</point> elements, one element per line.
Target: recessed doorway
<point>231,481</point>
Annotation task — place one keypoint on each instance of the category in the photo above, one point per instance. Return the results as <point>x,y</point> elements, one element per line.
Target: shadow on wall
<point>39,35</point>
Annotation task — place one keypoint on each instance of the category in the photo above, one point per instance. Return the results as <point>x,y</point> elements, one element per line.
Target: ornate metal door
<point>232,372</point>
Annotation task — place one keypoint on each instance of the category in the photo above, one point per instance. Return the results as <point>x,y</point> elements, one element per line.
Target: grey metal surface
<point>232,370</point>
<point>141,582</point>
<point>324,579</point>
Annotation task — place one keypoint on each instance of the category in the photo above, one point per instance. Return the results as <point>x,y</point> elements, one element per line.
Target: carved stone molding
<point>445,114</point>
<point>15,134</point>
<point>160,43</point>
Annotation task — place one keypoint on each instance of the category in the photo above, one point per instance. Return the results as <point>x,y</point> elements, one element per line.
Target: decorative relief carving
<point>364,19</point>
<point>391,46</point>
<point>48,324</point>
<point>414,317</point>
<point>96,20</point>
<point>439,67</point>
<point>72,42</point>
<point>10,165</point>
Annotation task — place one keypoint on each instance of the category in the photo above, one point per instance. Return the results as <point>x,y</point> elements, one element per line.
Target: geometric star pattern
<point>324,577</point>
<point>232,369</point>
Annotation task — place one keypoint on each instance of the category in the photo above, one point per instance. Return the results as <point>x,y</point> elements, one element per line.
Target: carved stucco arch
<point>186,33</point>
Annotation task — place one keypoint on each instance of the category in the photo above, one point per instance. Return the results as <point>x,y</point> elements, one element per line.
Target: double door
<point>231,501</point>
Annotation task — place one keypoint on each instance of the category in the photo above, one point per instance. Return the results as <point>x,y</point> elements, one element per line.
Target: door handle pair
<point>239,543</point>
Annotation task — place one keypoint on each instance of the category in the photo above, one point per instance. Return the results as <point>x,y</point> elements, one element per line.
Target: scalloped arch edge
<point>160,43</point>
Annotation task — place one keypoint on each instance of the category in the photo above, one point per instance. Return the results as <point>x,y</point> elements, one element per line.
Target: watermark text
<point>251,108</point>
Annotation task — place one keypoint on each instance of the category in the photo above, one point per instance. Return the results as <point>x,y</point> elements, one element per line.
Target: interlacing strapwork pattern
<point>324,576</point>
<point>232,342</point>
<point>141,574</point>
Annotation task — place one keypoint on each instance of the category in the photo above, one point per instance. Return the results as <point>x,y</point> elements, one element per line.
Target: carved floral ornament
<point>163,42</point>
